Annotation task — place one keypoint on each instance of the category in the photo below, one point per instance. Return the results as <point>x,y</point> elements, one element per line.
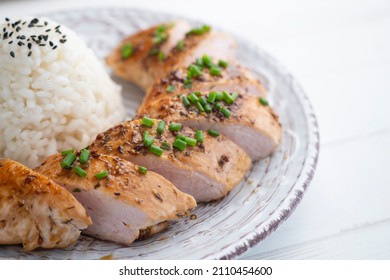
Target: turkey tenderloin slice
<point>125,204</point>
<point>207,171</point>
<point>145,61</point>
<point>252,126</point>
<point>35,211</point>
<point>234,78</point>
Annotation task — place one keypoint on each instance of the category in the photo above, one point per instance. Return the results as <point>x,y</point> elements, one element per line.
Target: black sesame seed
<point>20,43</point>
<point>42,45</point>
<point>47,30</point>
<point>6,19</point>
<point>22,37</point>
<point>46,23</point>
<point>24,22</point>
<point>51,44</point>
<point>10,42</point>
<point>10,34</point>
<point>35,20</point>
<point>4,29</point>
<point>54,47</point>
<point>46,37</point>
<point>18,29</point>
<point>29,46</point>
<point>58,26</point>
<point>62,41</point>
<point>29,53</point>
<point>12,54</point>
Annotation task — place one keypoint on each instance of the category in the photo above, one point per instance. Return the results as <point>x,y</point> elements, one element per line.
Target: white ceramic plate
<point>253,210</point>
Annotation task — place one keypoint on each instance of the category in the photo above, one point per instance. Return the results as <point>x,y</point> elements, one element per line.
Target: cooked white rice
<point>57,98</point>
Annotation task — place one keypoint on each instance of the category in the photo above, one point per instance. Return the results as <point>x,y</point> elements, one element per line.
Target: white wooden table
<point>340,52</point>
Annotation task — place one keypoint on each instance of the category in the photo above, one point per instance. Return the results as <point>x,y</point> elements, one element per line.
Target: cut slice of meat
<point>146,51</point>
<point>124,203</point>
<point>233,78</point>
<point>250,124</point>
<point>150,61</point>
<point>209,170</point>
<point>35,211</point>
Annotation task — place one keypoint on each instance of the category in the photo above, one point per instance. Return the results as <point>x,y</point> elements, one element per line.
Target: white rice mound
<point>55,99</point>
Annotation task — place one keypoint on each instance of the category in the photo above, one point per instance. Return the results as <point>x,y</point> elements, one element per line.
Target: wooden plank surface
<point>340,52</point>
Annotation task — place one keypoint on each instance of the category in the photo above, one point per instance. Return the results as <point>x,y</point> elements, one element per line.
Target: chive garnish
<point>223,63</point>
<point>147,122</point>
<point>219,96</point>
<point>207,61</point>
<point>161,56</point>
<point>193,98</point>
<point>154,51</point>
<point>199,106</point>
<point>175,126</point>
<point>193,71</point>
<point>199,62</point>
<point>212,96</point>
<point>165,145</point>
<point>160,127</point>
<point>66,152</point>
<point>170,88</point>
<point>127,50</point>
<point>102,174</point>
<point>185,100</point>
<point>156,150</point>
<point>218,106</point>
<point>199,136</point>
<point>190,141</point>
<point>202,100</point>
<point>263,101</point>
<point>234,95</point>
<point>84,156</point>
<point>225,112</point>
<point>213,132</point>
<point>199,31</point>
<point>180,144</point>
<point>181,137</point>
<point>227,98</point>
<point>68,160</point>
<point>180,45</point>
<point>148,140</point>
<point>215,71</point>
<point>142,170</point>
<point>207,108</point>
<point>79,171</point>
<point>188,83</point>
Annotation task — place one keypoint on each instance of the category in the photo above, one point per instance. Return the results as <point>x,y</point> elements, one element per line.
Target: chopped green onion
<point>79,171</point>
<point>127,50</point>
<point>170,88</point>
<point>68,160</point>
<point>160,127</point>
<point>193,98</point>
<point>211,97</point>
<point>193,71</point>
<point>180,144</point>
<point>202,100</point>
<point>154,51</point>
<point>218,106</point>
<point>199,62</point>
<point>219,96</point>
<point>199,136</point>
<point>84,156</point>
<point>207,61</point>
<point>175,126</point>
<point>66,152</point>
<point>215,71</point>
<point>188,83</point>
<point>181,137</point>
<point>102,174</point>
<point>199,106</point>
<point>190,141</point>
<point>165,145</point>
<point>148,140</point>
<point>156,150</point>
<point>227,98</point>
<point>147,122</point>
<point>199,31</point>
<point>161,56</point>
<point>207,108</point>
<point>142,170</point>
<point>159,38</point>
<point>180,45</point>
<point>213,132</point>
<point>263,101</point>
<point>234,95</point>
<point>185,100</point>
<point>223,63</point>
<point>225,112</point>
